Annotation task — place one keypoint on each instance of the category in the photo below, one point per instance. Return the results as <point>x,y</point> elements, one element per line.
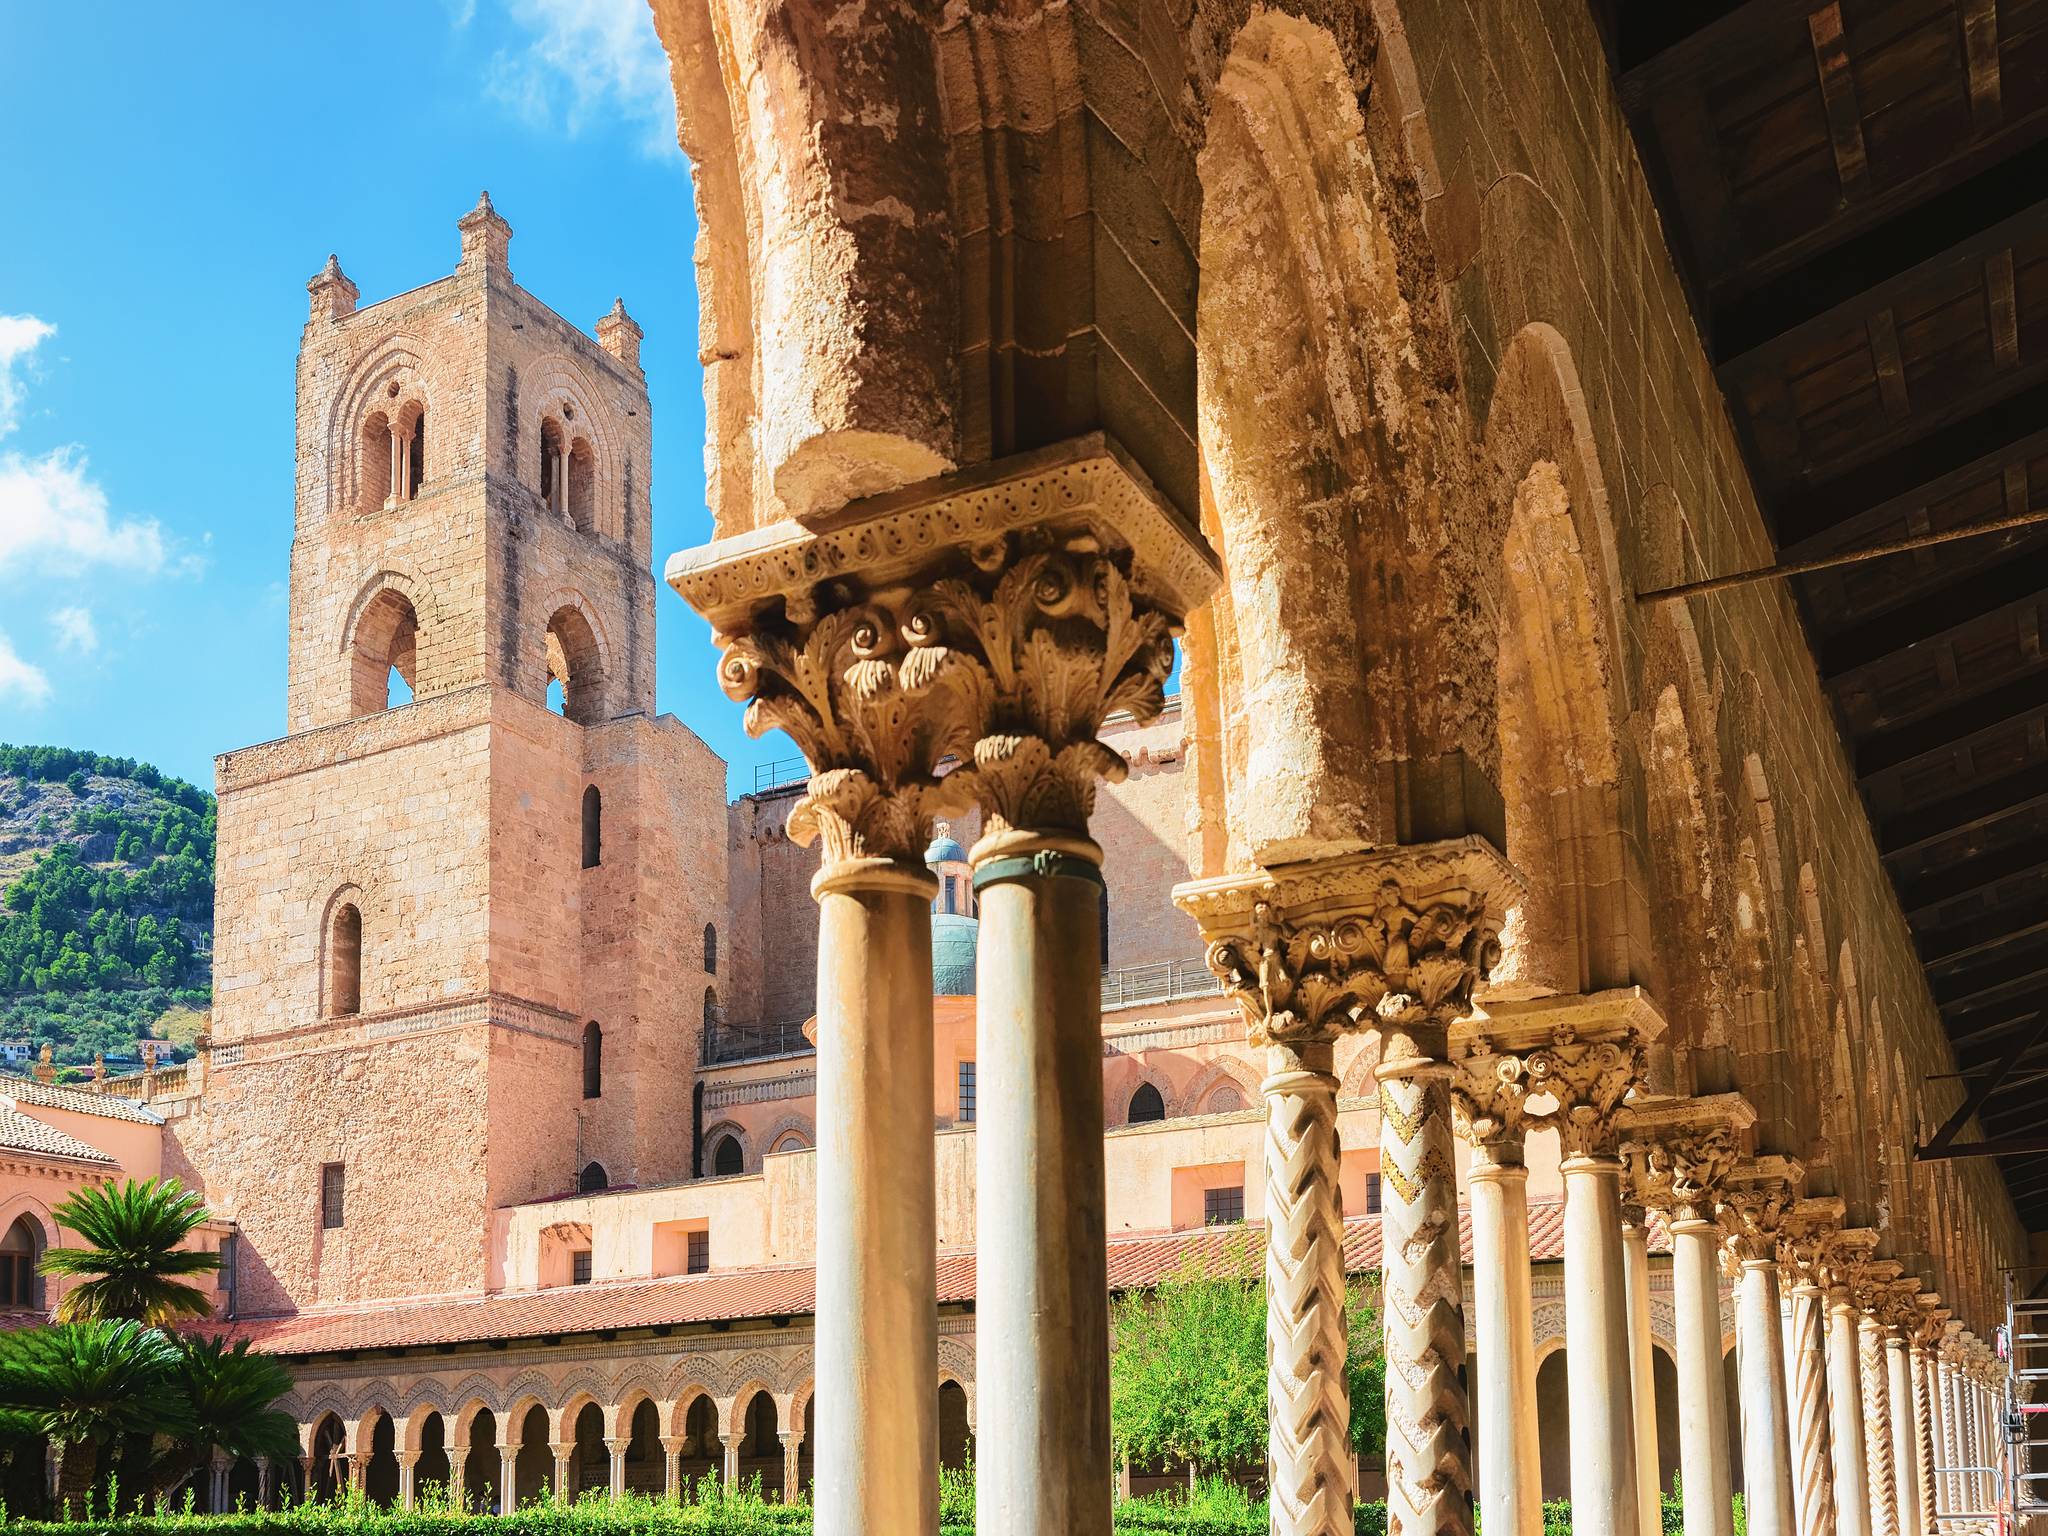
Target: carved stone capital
<point>1396,937</point>
<point>1847,1262</point>
<point>957,643</point>
<point>1897,1306</point>
<point>1582,1056</point>
<point>1688,1148</point>
<point>1932,1323</point>
<point>1758,1199</point>
<point>1488,1091</point>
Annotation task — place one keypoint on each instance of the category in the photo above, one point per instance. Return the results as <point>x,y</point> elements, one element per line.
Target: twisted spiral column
<point>1812,1467</point>
<point>1429,1447</point>
<point>1878,1468</point>
<point>1308,1400</point>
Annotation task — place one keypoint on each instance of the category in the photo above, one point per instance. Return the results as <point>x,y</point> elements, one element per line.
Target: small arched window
<point>552,479</point>
<point>710,949</point>
<point>345,961</point>
<point>593,827</point>
<point>581,507</point>
<point>376,460</point>
<point>384,660</point>
<point>593,1061</point>
<point>593,1179</point>
<point>575,665</point>
<point>20,1252</point>
<point>726,1157</point>
<point>1146,1106</point>
<point>416,457</point>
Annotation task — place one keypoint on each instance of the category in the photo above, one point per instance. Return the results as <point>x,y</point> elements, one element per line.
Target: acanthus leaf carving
<point>1588,1080</point>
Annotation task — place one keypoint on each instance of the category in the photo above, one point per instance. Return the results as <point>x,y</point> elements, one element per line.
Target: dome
<point>953,942</point>
<point>944,850</point>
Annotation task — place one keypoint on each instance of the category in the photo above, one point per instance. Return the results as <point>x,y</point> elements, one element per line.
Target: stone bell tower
<point>461,906</point>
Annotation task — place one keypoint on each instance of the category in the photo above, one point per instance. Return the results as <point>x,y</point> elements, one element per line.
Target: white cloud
<point>19,680</point>
<point>588,60</point>
<point>76,630</point>
<point>54,517</point>
<point>20,335</point>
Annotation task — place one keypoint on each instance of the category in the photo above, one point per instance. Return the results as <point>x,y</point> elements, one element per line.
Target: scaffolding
<point>2023,1416</point>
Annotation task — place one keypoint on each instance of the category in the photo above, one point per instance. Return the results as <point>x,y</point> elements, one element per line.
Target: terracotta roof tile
<point>780,1291</point>
<point>25,1133</point>
<point>108,1106</point>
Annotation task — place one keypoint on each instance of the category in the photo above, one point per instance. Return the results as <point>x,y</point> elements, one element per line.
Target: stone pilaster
<point>1395,938</point>
<point>1488,1095</point>
<point>1689,1148</point>
<point>954,644</point>
<point>1756,1198</point>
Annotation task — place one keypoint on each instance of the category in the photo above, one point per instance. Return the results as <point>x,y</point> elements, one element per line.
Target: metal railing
<point>1165,981</point>
<point>779,773</point>
<point>749,1042</point>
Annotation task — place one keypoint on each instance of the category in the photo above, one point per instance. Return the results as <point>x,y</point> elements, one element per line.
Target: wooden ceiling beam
<point>2020,699</point>
<point>1964,449</point>
<point>1942,949</point>
<point>1971,597</point>
<point>1980,806</point>
<point>1971,877</point>
<point>1659,43</point>
<point>1968,223</point>
<point>2008,975</point>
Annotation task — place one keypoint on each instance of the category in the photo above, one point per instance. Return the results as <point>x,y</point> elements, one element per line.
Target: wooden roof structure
<point>1856,194</point>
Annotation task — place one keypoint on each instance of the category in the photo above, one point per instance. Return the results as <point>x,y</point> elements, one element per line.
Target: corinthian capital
<point>957,643</point>
<point>1489,1093</point>
<point>1580,1057</point>
<point>1689,1148</point>
<point>1756,1207</point>
<point>1388,937</point>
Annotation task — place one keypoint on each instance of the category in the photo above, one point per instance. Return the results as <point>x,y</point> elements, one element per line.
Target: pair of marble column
<point>951,647</point>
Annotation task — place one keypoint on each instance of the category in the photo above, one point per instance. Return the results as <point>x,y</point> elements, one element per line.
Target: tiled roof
<point>25,1133</point>
<point>26,1090</point>
<point>780,1291</point>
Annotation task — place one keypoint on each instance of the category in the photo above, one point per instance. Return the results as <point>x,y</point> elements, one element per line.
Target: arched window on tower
<point>375,460</point>
<point>574,664</point>
<point>1146,1106</point>
<point>593,1061</point>
<point>582,485</point>
<point>345,961</point>
<point>593,1179</point>
<point>553,480</point>
<point>710,949</point>
<point>416,456</point>
<point>593,827</point>
<point>20,1252</point>
<point>384,660</point>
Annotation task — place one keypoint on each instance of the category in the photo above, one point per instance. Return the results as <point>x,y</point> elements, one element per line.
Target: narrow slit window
<point>593,827</point>
<point>331,1192</point>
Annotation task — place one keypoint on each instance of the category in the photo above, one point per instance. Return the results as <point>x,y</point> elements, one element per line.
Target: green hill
<point>106,902</point>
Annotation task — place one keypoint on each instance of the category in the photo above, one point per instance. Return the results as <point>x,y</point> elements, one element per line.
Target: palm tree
<point>233,1396</point>
<point>83,1384</point>
<point>131,1268</point>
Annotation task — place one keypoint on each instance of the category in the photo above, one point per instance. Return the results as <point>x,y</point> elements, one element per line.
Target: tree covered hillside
<point>106,901</point>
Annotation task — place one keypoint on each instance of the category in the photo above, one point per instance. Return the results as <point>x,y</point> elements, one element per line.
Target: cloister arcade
<point>1290,334</point>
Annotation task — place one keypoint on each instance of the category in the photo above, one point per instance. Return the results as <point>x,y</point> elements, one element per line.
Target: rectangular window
<point>228,1247</point>
<point>1372,1194</point>
<point>699,1260</point>
<point>330,1195</point>
<point>1223,1207</point>
<point>965,1110</point>
<point>579,1267</point>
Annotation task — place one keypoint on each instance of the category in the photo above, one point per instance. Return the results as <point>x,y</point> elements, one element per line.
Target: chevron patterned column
<point>1812,1464</point>
<point>1394,939</point>
<point>1879,1471</point>
<point>1308,1401</point>
<point>1925,1424</point>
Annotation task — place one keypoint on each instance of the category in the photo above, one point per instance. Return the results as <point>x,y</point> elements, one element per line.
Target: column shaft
<point>405,1488</point>
<point>1845,1418</point>
<point>1308,1401</point>
<point>1766,1427</point>
<point>1598,1383</point>
<point>1898,1375</point>
<point>1702,1389</point>
<point>1503,1325</point>
<point>1816,1487</point>
<point>508,1478</point>
<point>1926,1427</point>
<point>877,1245</point>
<point>1042,1308</point>
<point>1955,1496</point>
<point>1635,1246</point>
<point>1879,1471</point>
<point>1429,1448</point>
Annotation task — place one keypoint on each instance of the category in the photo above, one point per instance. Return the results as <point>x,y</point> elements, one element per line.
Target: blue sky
<point>171,184</point>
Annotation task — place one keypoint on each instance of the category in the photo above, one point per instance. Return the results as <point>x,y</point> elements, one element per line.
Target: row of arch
<point>497,1457</point>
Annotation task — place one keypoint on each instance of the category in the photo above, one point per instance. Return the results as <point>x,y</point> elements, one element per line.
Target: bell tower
<point>460,904</point>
